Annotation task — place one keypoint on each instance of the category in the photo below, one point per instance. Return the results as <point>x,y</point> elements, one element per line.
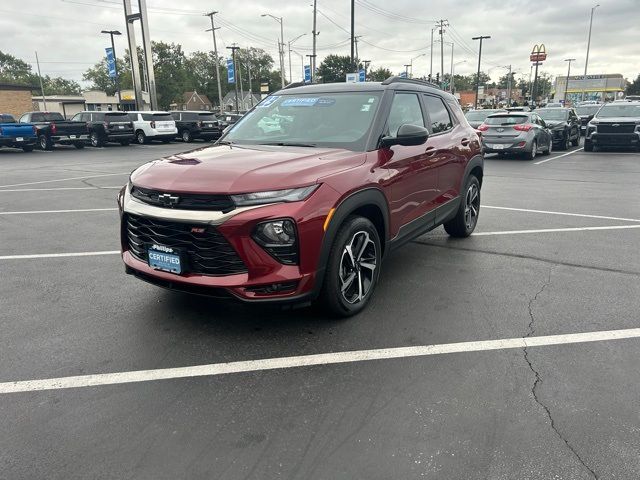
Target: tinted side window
<point>147,117</point>
<point>97,117</point>
<point>175,115</point>
<point>438,113</point>
<point>405,109</point>
<point>189,117</point>
<point>37,117</point>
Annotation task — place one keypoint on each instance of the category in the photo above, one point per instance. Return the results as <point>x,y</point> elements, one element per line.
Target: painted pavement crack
<point>538,379</point>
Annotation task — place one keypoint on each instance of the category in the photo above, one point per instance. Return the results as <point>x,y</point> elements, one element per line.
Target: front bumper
<point>615,139</point>
<point>265,279</point>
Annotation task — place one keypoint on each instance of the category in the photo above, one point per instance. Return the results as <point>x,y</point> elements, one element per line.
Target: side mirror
<point>407,135</point>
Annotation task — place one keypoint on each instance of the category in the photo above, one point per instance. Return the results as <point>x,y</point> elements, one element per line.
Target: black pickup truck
<point>52,129</point>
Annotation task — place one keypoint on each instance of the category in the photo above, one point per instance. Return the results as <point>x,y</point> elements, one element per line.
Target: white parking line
<point>310,360</point>
<point>551,230</point>
<point>57,189</point>
<point>64,179</point>
<point>58,255</point>
<point>559,156</point>
<point>60,211</point>
<point>561,213</point>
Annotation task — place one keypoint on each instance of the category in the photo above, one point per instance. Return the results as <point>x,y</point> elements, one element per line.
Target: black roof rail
<point>397,79</point>
<point>294,85</point>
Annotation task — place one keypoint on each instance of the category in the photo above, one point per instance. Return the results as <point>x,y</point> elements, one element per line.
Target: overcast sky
<point>66,33</point>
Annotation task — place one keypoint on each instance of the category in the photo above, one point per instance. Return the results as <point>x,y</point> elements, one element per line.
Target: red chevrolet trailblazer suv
<point>304,196</point>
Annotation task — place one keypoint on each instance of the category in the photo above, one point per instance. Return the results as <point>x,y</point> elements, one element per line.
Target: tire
<point>588,146</point>
<point>186,136</point>
<point>125,143</point>
<point>44,142</point>
<point>534,151</point>
<point>78,145</point>
<point>27,148</point>
<point>96,139</point>
<point>348,284</point>
<point>466,219</point>
<point>141,138</point>
<point>566,145</point>
<point>576,142</point>
<point>549,148</point>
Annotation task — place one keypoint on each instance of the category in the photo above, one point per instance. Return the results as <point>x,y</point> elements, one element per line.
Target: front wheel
<point>186,136</point>
<point>466,219</point>
<point>566,142</point>
<point>353,267</point>
<point>576,141</point>
<point>547,151</point>
<point>44,142</point>
<point>96,140</point>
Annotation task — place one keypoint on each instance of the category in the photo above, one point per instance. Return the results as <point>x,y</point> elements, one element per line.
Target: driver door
<point>413,177</point>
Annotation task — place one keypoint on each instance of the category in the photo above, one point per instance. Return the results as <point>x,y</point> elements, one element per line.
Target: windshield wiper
<point>289,144</point>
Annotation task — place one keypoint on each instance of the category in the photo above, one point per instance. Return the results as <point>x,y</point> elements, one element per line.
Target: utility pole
<point>566,88</point>
<point>406,70</point>
<point>233,49</point>
<point>115,62</point>
<point>441,25</point>
<point>586,62</point>
<point>353,26</point>
<point>215,57</point>
<point>44,100</point>
<point>280,44</point>
<point>250,88</point>
<point>481,38</point>
<point>239,72</point>
<point>530,76</point>
<point>509,88</point>
<point>451,74</point>
<point>356,40</point>
<point>315,34</point>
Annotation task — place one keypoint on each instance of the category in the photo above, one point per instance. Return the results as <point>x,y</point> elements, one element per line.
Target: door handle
<point>430,151</point>
<point>465,142</point>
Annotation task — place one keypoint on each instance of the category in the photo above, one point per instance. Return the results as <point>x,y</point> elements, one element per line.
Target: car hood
<point>617,120</point>
<point>242,169</point>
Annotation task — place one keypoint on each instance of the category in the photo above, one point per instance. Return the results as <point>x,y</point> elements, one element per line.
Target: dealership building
<point>602,88</point>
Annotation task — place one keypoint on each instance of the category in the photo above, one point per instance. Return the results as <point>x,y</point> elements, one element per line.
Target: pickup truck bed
<point>17,135</point>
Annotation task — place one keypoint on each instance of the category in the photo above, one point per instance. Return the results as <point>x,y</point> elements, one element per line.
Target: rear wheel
<point>566,142</point>
<point>534,151</point>
<point>44,142</point>
<point>466,219</point>
<point>353,267</point>
<point>186,136</point>
<point>141,138</point>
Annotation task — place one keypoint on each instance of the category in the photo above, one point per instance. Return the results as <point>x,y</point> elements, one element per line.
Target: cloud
<point>66,33</point>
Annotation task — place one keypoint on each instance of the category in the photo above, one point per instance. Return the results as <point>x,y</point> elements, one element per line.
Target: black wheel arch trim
<point>361,198</point>
<point>476,161</point>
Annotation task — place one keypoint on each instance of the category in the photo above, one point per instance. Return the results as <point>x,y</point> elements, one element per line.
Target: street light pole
<point>215,57</point>
<point>289,44</point>
<point>406,70</point>
<point>111,33</point>
<point>280,44</point>
<point>453,71</point>
<point>411,63</point>
<point>233,49</point>
<point>586,62</point>
<point>566,87</point>
<point>482,37</point>
<point>431,62</point>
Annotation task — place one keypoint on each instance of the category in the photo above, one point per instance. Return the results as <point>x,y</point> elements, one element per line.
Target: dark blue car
<point>16,135</point>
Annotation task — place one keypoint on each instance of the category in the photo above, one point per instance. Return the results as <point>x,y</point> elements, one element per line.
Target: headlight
<point>273,196</point>
<point>279,239</point>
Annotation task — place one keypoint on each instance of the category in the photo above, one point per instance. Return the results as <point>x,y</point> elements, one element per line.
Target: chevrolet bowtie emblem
<point>168,200</point>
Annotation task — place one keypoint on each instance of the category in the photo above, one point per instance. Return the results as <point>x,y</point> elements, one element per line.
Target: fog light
<point>279,239</point>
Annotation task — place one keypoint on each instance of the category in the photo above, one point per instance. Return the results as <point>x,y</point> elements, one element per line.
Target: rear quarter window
<point>438,114</point>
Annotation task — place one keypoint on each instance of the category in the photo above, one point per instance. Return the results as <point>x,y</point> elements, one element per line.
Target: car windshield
<point>340,120</point>
<point>619,110</point>
<point>506,119</point>
<point>552,114</point>
<point>587,109</point>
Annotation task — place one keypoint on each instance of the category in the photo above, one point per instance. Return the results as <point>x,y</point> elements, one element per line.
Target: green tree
<point>99,77</point>
<point>172,79</point>
<point>633,88</point>
<point>334,68</point>
<point>380,74</point>
<point>60,86</point>
<point>503,82</point>
<point>14,70</point>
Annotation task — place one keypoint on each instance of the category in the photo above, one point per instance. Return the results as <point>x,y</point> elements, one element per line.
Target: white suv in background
<point>153,126</point>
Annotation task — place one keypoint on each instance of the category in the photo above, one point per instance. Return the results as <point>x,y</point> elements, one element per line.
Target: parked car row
<point>98,128</point>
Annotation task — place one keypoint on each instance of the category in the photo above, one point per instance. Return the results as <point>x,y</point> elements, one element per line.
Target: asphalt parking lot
<point>434,380</point>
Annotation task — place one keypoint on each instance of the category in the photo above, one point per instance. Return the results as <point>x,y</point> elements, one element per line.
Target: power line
<point>388,14</point>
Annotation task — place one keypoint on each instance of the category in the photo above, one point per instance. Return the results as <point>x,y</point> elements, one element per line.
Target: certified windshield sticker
<point>366,107</point>
<point>325,102</point>
<point>268,101</point>
<point>300,102</point>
